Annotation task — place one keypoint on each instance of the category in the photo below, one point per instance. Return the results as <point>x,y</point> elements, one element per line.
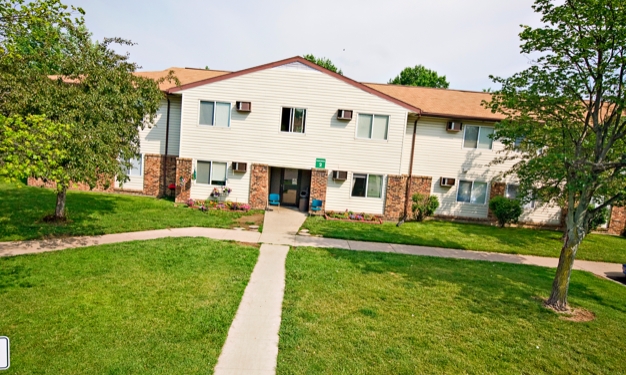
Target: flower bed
<point>353,217</point>
<point>215,205</point>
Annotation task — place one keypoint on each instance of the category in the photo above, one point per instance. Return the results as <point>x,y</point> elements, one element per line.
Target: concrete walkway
<point>287,237</point>
<point>252,343</point>
<point>281,225</point>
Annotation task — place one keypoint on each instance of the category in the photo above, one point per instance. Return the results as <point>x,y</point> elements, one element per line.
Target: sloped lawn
<point>547,243</point>
<point>155,307</point>
<point>23,207</point>
<point>349,312</point>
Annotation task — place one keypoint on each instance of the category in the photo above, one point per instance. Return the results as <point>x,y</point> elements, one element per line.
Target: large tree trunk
<point>574,234</point>
<point>59,212</point>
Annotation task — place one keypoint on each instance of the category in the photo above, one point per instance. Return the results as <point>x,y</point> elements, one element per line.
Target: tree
<point>420,76</point>
<point>94,96</point>
<point>324,63</point>
<point>565,125</point>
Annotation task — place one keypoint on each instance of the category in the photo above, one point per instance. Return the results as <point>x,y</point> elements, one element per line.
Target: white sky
<point>371,41</point>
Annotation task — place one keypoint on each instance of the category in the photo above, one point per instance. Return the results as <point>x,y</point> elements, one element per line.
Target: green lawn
<point>472,237</point>
<point>23,207</point>
<point>349,312</point>
<point>153,307</point>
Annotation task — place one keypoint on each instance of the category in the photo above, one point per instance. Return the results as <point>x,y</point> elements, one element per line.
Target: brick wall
<point>395,197</point>
<point>183,169</point>
<point>319,184</point>
<point>81,186</point>
<point>153,174</point>
<point>617,225</point>
<point>259,186</point>
<point>498,189</point>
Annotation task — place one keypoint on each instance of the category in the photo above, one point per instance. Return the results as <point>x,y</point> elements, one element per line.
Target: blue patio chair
<point>274,200</point>
<point>316,205</point>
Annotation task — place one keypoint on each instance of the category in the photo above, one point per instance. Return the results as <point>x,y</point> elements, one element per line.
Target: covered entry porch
<point>293,186</point>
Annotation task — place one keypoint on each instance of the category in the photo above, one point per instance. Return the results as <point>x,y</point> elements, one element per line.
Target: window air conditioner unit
<point>447,181</point>
<point>244,106</point>
<point>344,114</point>
<point>454,126</point>
<point>340,175</point>
<point>240,167</point>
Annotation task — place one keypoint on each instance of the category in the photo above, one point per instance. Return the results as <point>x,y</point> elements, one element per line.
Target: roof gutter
<point>409,179</point>
<point>167,139</point>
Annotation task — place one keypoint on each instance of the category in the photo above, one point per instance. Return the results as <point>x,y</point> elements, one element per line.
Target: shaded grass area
<point>23,207</point>
<point>349,312</point>
<point>153,307</point>
<point>463,236</point>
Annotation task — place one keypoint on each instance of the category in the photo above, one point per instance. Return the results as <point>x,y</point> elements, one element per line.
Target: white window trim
<point>478,137</point>
<point>291,120</point>
<point>458,190</point>
<point>230,108</point>
<point>356,129</point>
<point>367,178</point>
<point>195,167</point>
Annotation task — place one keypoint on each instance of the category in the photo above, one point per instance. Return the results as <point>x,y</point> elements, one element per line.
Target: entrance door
<point>290,187</point>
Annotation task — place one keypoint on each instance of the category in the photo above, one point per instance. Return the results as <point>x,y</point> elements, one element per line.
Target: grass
<point>154,307</point>
<point>546,243</point>
<point>22,209</point>
<point>349,312</point>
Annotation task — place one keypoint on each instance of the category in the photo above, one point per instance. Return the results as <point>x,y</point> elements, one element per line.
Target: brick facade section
<point>80,186</point>
<point>617,224</point>
<point>498,189</point>
<point>395,195</point>
<point>183,169</point>
<point>319,184</point>
<point>153,174</point>
<point>259,186</point>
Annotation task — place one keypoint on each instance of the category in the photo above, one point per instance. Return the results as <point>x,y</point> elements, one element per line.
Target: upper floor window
<point>478,137</point>
<point>472,192</point>
<point>367,185</point>
<point>211,173</point>
<point>372,126</point>
<point>293,120</point>
<point>215,114</point>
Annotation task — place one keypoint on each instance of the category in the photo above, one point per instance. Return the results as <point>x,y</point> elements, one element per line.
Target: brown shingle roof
<point>184,75</point>
<point>441,102</point>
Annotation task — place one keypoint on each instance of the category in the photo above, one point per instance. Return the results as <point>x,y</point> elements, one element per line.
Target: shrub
<point>424,206</point>
<point>506,210</point>
<point>600,218</point>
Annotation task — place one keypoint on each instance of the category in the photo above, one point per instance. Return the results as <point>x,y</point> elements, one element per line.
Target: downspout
<point>167,141</point>
<point>408,180</point>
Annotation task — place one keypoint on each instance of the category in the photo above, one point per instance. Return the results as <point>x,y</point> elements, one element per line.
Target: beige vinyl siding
<point>439,153</point>
<point>153,138</point>
<point>135,182</point>
<point>256,137</point>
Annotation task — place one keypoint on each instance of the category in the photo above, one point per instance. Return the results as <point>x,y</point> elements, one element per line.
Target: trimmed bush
<point>506,210</point>
<point>424,206</point>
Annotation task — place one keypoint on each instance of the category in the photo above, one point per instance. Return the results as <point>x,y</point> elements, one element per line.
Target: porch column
<point>319,184</point>
<point>183,169</point>
<point>259,186</point>
<point>617,223</point>
<point>394,197</point>
<point>497,190</point>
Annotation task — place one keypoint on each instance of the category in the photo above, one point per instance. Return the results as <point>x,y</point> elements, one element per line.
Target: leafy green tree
<point>94,96</point>
<point>324,63</point>
<point>420,76</point>
<point>565,124</point>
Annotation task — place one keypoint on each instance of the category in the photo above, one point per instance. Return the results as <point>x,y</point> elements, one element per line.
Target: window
<point>511,193</point>
<point>372,126</point>
<point>472,192</point>
<point>478,137</point>
<point>211,173</point>
<point>293,120</point>
<point>135,166</point>
<point>367,185</point>
<point>215,114</point>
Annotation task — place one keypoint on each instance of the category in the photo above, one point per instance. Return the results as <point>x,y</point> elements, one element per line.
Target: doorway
<point>289,183</point>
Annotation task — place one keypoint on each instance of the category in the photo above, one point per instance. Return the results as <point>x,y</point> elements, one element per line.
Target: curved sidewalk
<point>32,247</point>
